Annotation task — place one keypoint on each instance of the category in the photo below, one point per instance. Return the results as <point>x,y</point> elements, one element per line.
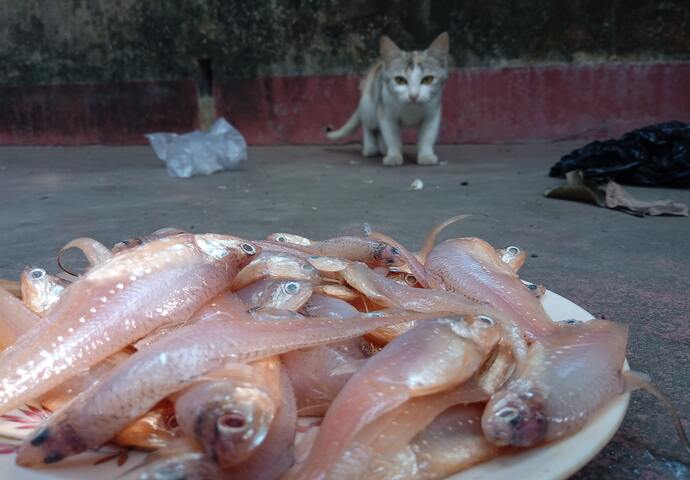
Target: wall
<point>107,71</point>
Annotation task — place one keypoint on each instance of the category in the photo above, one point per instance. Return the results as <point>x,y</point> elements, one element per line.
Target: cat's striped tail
<point>347,129</point>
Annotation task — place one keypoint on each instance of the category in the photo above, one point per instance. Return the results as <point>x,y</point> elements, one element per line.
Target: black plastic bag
<point>653,156</point>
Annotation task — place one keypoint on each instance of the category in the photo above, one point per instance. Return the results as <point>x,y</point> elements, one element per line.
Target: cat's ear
<point>388,48</point>
<point>439,47</point>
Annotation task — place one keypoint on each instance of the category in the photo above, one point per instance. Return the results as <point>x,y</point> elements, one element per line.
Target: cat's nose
<point>414,97</point>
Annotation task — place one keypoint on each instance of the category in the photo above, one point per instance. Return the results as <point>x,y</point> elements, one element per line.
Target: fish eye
<point>232,421</point>
<point>248,248</point>
<point>400,80</point>
<point>427,80</point>
<point>281,239</point>
<point>486,320</point>
<point>410,279</point>
<point>513,250</point>
<point>292,287</point>
<point>37,273</point>
<point>307,267</point>
<point>571,321</point>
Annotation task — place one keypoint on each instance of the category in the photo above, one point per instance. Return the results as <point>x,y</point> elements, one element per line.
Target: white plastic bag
<point>201,153</point>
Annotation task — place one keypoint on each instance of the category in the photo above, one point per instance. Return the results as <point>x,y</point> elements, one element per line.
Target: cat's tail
<point>347,129</point>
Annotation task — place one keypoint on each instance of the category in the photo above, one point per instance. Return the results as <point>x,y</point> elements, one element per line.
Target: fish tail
<point>634,380</point>
<point>433,234</point>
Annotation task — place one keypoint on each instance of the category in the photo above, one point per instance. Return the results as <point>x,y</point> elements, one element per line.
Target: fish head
<point>290,295</point>
<point>289,238</point>
<point>230,427</point>
<point>284,265</point>
<point>513,256</point>
<point>481,329</point>
<point>39,289</point>
<point>227,248</point>
<point>515,416</point>
<point>388,254</point>
<point>275,265</point>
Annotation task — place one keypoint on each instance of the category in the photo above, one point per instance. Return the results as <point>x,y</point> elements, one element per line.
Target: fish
<point>136,241</point>
<point>319,373</point>
<point>275,266</point>
<point>275,454</point>
<point>279,294</point>
<point>137,384</point>
<point>66,391</point>
<point>231,414</point>
<point>289,238</point>
<point>40,290</point>
<point>567,377</point>
<point>453,442</point>
<point>300,251</point>
<point>433,357</point>
<point>377,450</point>
<point>410,260</point>
<point>15,320</point>
<point>184,459</point>
<point>389,293</point>
<point>94,251</point>
<point>226,306</point>
<point>115,303</point>
<point>360,249</point>
<point>471,267</point>
<point>314,372</point>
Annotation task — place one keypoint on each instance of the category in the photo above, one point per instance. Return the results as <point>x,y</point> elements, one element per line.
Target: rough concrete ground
<point>629,269</point>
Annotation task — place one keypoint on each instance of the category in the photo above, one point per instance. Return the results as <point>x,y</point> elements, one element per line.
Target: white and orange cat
<point>402,89</point>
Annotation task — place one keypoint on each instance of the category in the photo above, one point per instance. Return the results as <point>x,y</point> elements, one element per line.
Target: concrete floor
<point>629,269</point>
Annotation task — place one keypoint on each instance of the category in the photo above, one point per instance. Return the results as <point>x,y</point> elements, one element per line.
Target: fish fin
<point>634,380</point>
<point>348,368</point>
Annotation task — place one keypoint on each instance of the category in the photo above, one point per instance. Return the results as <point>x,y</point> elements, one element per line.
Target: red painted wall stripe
<point>481,105</point>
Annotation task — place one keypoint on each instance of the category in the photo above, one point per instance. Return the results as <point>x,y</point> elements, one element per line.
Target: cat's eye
<point>400,80</point>
<point>427,80</point>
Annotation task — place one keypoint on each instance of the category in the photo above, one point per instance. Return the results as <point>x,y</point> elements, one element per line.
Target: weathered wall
<point>60,41</point>
<point>219,44</point>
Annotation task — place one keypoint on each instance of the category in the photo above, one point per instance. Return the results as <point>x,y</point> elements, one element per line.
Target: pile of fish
<point>298,359</point>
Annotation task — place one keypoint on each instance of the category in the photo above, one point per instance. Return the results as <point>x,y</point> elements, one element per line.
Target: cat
<point>402,89</point>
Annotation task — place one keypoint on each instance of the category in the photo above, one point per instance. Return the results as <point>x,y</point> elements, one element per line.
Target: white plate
<point>555,461</point>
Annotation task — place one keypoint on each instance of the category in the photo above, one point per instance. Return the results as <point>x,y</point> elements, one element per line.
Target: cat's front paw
<point>427,159</point>
<point>393,160</point>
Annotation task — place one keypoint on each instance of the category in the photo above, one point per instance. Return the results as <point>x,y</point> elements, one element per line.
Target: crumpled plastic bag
<point>201,153</point>
<point>613,196</point>
<point>654,156</point>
